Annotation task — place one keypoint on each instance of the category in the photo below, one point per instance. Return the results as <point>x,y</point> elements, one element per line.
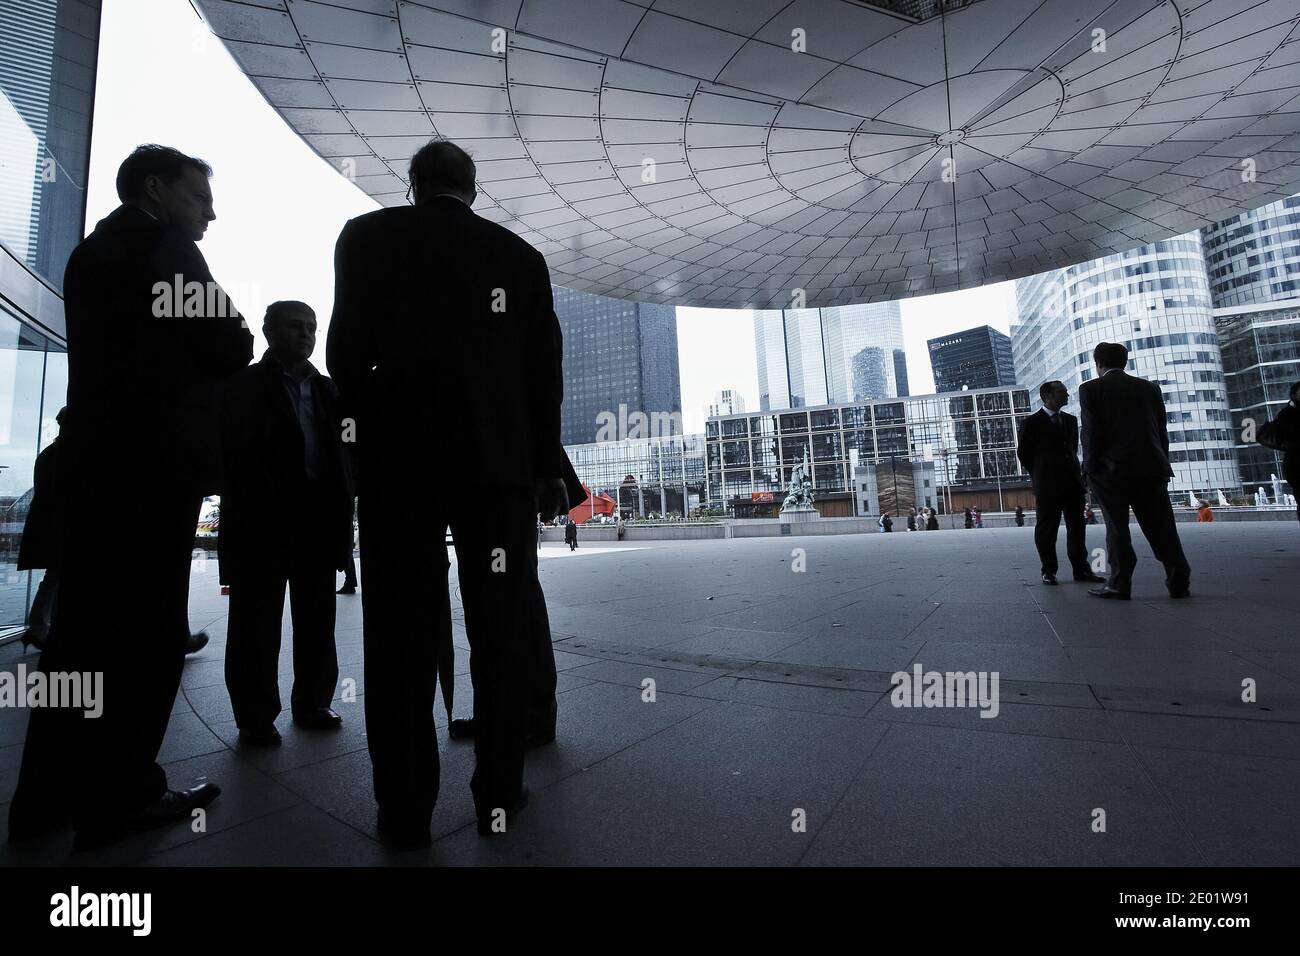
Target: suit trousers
<point>1155,516</point>
<point>1048,522</point>
<point>253,639</point>
<point>403,615</point>
<point>123,616</point>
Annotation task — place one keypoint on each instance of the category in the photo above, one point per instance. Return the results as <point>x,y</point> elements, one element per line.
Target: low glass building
<point>967,441</point>
<point>651,477</point>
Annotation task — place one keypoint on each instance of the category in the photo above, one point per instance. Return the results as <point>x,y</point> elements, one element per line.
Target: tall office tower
<point>975,358</point>
<point>726,401</point>
<point>809,357</point>
<point>1254,268</point>
<point>1156,301</point>
<point>865,359</point>
<point>620,358</point>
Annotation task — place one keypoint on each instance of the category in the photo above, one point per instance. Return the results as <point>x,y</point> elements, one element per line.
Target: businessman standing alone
<point>1048,448</point>
<point>1126,458</point>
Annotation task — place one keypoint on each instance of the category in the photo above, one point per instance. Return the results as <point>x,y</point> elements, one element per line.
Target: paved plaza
<point>772,708</point>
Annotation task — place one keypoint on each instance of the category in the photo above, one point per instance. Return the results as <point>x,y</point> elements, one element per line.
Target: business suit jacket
<point>1050,453</point>
<point>265,477</point>
<point>1125,432</point>
<point>445,345</point>
<point>43,531</point>
<point>142,386</point>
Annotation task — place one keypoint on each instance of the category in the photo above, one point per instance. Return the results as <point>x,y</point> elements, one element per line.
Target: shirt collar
<point>270,358</point>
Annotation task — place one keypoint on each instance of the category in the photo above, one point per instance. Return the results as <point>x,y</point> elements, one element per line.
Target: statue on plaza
<point>799,494</point>
<point>1223,501</point>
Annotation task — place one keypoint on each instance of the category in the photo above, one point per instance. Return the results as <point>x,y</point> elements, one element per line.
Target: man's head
<point>1055,395</point>
<point>441,168</point>
<point>170,186</point>
<point>1295,392</point>
<point>290,330</point>
<point>1109,355</point>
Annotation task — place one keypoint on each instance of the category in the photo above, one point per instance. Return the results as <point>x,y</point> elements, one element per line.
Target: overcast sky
<point>164,78</point>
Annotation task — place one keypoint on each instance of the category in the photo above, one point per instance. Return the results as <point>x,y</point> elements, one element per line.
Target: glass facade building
<point>655,476</point>
<point>969,438</point>
<point>48,57</point>
<point>620,358</point>
<point>1253,262</point>
<point>1156,301</point>
<point>810,357</point>
<point>975,358</point>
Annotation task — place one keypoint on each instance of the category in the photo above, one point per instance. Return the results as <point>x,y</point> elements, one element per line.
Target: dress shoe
<point>1049,578</point>
<point>1110,594</point>
<point>322,718</point>
<point>485,824</point>
<point>172,807</point>
<point>1090,577</point>
<point>266,736</point>
<point>463,729</point>
<point>1181,593</point>
<point>403,836</point>
<point>196,642</point>
<point>346,590</point>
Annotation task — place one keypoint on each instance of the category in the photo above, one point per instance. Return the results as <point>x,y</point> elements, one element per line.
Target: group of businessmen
<point>1125,464</point>
<point>433,305</point>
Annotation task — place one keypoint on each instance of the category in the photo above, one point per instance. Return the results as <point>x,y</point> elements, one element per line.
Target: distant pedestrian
<point>571,534</point>
<point>970,519</point>
<point>1204,513</point>
<point>911,519</point>
<point>1287,428</point>
<point>622,527</point>
<point>886,523</point>
<point>932,522</point>
<point>1089,516</point>
<point>979,518</point>
<point>540,526</point>
<point>1020,517</point>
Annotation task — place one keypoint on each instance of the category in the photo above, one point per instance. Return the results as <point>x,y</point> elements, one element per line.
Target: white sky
<point>164,78</point>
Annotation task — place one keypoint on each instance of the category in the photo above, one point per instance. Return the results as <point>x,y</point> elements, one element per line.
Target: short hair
<point>1110,355</point>
<point>1295,386</point>
<point>153,160</point>
<point>285,308</point>
<point>441,164</point>
<point>1047,388</point>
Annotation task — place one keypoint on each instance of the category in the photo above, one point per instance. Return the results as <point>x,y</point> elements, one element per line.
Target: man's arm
<point>1162,419</point>
<point>1025,445</point>
<point>349,347</point>
<point>545,377</point>
<point>1088,427</point>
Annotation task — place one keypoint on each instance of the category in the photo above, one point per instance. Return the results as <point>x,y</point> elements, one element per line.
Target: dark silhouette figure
<point>1020,517</point>
<point>970,519</point>
<point>350,572</point>
<point>1288,431</point>
<point>932,521</point>
<point>443,317</point>
<point>150,339</point>
<point>1126,459</point>
<point>571,534</point>
<point>1048,448</point>
<point>911,519</point>
<point>286,520</point>
<point>43,534</point>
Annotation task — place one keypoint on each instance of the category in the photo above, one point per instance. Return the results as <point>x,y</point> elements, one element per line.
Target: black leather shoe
<point>1184,593</point>
<point>485,825</point>
<point>403,837</point>
<point>172,807</point>
<point>322,718</point>
<point>266,736</point>
<point>1049,578</point>
<point>1090,577</point>
<point>461,729</point>
<point>346,590</point>
<point>1109,594</point>
<point>196,642</point>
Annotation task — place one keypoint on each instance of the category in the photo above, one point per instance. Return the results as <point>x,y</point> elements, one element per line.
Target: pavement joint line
<point>862,769</point>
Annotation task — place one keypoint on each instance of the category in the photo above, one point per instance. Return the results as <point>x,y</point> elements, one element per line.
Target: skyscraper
<point>1254,271</point>
<point>726,401</point>
<point>620,359</point>
<point>1156,301</point>
<point>812,357</point>
<point>975,358</point>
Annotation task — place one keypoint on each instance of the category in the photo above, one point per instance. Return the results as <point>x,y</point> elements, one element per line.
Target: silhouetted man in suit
<point>286,519</point>
<point>1126,459</point>
<point>1048,448</point>
<point>148,332</point>
<point>444,343</point>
